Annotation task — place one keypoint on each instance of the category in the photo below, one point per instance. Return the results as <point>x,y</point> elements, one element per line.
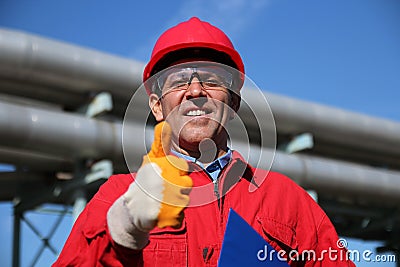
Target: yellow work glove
<point>177,183</point>
<point>158,195</point>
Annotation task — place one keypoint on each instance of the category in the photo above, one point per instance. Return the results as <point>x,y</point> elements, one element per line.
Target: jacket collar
<point>237,169</point>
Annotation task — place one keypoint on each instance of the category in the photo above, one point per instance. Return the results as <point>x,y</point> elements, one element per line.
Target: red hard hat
<point>193,33</point>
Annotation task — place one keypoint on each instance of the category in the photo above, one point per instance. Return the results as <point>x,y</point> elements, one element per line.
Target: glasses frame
<point>197,70</point>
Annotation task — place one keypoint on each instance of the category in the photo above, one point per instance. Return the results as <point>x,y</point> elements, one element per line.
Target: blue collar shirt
<point>214,168</point>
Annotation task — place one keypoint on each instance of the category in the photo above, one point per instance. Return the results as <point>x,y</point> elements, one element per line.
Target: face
<point>197,105</point>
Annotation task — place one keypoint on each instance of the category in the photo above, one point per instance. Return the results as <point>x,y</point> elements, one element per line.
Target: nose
<point>195,89</point>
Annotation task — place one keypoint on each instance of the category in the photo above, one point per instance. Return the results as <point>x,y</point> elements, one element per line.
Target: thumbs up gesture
<point>157,196</point>
<point>176,183</point>
<point>161,187</point>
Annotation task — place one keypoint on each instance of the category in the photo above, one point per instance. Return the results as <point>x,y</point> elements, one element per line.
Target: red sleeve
<point>90,243</point>
<point>329,252</point>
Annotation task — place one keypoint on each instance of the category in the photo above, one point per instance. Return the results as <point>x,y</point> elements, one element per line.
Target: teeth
<point>196,113</point>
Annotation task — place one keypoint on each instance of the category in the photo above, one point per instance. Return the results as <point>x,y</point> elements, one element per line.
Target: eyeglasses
<point>179,78</point>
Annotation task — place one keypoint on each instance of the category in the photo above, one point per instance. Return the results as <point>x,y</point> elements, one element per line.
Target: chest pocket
<point>280,236</point>
<point>167,247</point>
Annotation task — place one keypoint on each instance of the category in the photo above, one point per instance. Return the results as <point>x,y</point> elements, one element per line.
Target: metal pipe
<point>339,178</point>
<point>64,98</point>
<point>63,134</point>
<point>32,59</point>
<point>335,125</point>
<point>34,161</point>
<point>38,60</point>
<point>77,136</point>
<point>332,177</point>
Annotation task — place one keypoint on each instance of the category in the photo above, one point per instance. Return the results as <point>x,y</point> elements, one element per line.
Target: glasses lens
<point>212,77</point>
<point>175,78</point>
<point>179,77</point>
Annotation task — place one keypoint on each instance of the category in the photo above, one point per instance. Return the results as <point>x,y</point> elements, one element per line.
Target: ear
<point>156,107</point>
<point>235,104</point>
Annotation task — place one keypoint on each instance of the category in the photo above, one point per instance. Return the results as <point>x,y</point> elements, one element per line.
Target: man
<point>173,211</point>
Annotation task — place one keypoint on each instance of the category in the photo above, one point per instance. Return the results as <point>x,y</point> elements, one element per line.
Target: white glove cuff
<point>135,213</point>
<point>121,228</point>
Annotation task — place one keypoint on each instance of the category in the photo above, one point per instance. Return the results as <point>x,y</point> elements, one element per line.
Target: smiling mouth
<point>196,112</point>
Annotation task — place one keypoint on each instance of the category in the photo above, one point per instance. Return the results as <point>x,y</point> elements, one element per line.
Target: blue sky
<point>335,52</point>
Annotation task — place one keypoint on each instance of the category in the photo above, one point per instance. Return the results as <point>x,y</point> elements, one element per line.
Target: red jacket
<point>276,207</point>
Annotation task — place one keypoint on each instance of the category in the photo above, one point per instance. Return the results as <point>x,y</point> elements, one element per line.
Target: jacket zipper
<point>216,192</point>
<point>216,187</point>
